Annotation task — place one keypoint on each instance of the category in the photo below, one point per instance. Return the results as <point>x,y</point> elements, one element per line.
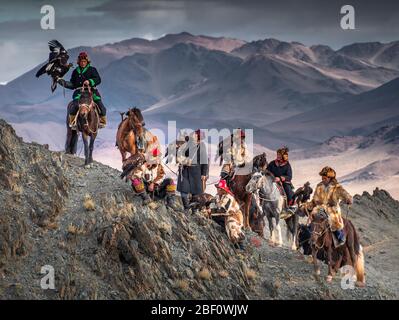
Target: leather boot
<point>171,201</point>
<point>103,122</point>
<point>71,120</point>
<point>340,237</point>
<point>146,198</point>
<point>186,203</point>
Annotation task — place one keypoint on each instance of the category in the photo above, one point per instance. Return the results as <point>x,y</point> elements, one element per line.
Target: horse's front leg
<point>91,147</point>
<point>247,206</point>
<point>315,261</point>
<point>279,236</point>
<point>294,230</point>
<point>330,265</point>
<point>74,141</point>
<point>271,230</point>
<point>86,147</point>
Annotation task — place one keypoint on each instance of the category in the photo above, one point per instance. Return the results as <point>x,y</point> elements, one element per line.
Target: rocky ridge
<point>103,244</point>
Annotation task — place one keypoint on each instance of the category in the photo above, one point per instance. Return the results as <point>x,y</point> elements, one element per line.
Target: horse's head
<point>85,103</point>
<point>255,183</point>
<point>136,119</point>
<point>319,224</point>
<point>260,162</point>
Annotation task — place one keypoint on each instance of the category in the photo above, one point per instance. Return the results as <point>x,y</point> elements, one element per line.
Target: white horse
<point>270,202</point>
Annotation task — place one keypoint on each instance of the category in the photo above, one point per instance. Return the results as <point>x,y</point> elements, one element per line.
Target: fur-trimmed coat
<point>328,197</point>
<point>234,221</point>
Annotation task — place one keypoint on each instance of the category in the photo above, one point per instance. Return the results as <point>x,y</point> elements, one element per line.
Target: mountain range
<point>285,91</point>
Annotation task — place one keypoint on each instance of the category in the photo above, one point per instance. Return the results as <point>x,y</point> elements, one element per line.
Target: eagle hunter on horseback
<point>84,75</point>
<point>269,198</point>
<point>282,171</point>
<point>330,232</point>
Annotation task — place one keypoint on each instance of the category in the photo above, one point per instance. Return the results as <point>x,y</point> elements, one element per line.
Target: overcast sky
<point>23,44</point>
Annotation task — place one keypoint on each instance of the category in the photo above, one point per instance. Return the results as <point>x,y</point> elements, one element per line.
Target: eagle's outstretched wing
<point>42,70</point>
<point>56,47</point>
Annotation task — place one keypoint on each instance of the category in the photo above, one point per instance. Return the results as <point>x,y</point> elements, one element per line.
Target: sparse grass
<point>223,274</point>
<point>89,203</point>
<point>165,227</point>
<point>192,237</point>
<point>205,274</point>
<point>16,188</point>
<point>153,206</point>
<point>72,229</point>
<point>183,285</point>
<point>277,284</point>
<point>250,274</point>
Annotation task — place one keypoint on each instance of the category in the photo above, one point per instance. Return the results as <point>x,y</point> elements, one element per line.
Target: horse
<point>128,130</point>
<point>270,202</point>
<point>350,253</point>
<point>87,122</point>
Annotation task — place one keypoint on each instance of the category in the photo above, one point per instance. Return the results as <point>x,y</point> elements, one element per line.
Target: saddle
<point>72,121</point>
<point>285,213</point>
<point>334,236</point>
<point>281,189</point>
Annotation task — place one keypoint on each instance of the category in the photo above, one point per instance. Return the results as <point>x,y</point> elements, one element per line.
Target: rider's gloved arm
<point>65,84</point>
<point>69,84</point>
<point>344,195</point>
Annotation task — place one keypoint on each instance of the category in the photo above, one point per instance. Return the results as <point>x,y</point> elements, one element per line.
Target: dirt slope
<point>122,250</point>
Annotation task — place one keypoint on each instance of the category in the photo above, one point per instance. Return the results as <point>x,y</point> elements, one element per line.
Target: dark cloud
<point>90,22</point>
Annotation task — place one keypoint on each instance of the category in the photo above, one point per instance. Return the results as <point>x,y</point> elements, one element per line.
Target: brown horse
<point>87,122</point>
<point>351,253</point>
<point>128,130</point>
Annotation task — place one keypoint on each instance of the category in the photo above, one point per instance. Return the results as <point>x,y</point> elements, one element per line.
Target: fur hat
<point>283,152</point>
<point>83,56</point>
<point>328,172</point>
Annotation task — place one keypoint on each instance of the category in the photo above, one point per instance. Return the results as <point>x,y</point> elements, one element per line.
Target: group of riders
<point>149,180</point>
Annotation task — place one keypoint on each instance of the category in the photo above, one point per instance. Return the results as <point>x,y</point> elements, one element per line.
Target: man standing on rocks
<point>193,168</point>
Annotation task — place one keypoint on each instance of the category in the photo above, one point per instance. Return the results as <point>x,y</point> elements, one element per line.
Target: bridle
<point>88,108</point>
<point>320,234</point>
<point>259,189</point>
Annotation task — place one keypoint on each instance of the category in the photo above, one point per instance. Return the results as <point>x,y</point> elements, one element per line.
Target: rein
<point>90,107</point>
<point>319,234</point>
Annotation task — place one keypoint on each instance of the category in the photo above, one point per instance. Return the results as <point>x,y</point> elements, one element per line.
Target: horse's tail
<point>359,267</point>
<point>356,239</point>
<point>359,261</point>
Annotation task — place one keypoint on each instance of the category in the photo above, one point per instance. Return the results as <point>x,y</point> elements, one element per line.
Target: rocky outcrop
<point>103,244</point>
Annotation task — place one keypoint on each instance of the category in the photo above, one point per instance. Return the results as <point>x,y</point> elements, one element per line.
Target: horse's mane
<point>85,97</point>
<point>137,112</point>
<point>259,161</point>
